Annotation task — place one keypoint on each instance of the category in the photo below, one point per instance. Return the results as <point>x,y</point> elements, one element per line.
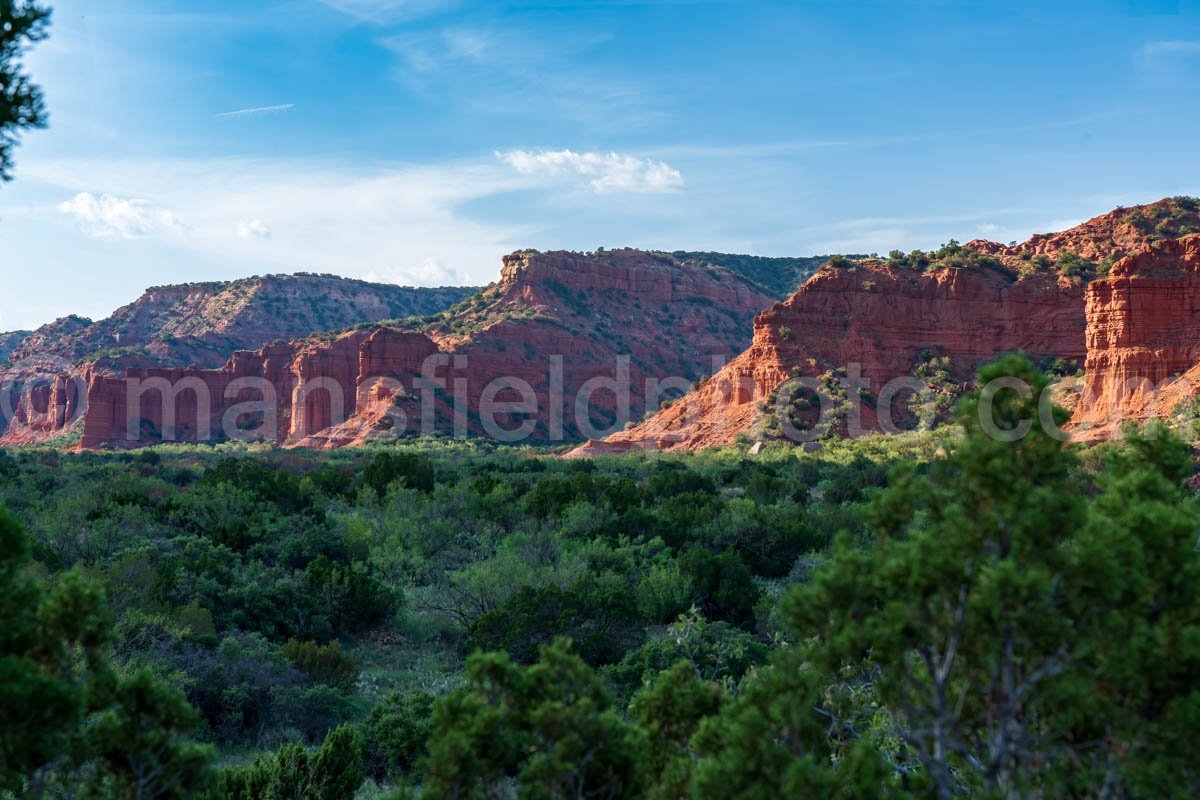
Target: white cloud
<point>402,223</point>
<point>258,112</point>
<point>110,217</point>
<point>610,172</point>
<point>254,229</point>
<point>988,228</point>
<point>429,272</point>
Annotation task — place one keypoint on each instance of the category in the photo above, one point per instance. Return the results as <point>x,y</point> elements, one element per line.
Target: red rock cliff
<point>881,318</point>
<point>1143,339</point>
<point>277,394</point>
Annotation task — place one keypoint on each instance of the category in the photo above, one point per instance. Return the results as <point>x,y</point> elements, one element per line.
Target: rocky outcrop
<point>1108,237</point>
<point>11,341</point>
<point>881,320</point>
<point>1143,339</point>
<point>875,321</point>
<point>39,403</point>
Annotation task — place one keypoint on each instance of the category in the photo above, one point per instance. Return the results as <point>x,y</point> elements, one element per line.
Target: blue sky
<point>416,141</point>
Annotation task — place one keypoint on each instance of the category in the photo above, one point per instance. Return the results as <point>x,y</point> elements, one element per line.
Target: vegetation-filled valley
<point>979,605</point>
<point>930,615</point>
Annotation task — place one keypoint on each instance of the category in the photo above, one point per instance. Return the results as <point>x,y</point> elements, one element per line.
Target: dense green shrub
<point>414,470</point>
<point>598,612</point>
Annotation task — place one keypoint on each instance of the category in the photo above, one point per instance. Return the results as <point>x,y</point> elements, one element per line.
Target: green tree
<point>1021,640</point>
<point>398,731</point>
<point>791,733</point>
<point>547,729</point>
<point>414,470</point>
<point>52,665</point>
<point>333,772</point>
<point>723,584</point>
<point>960,605</point>
<point>140,748</point>
<point>22,23</point>
<point>669,712</point>
<point>599,612</point>
<point>1137,569</point>
<point>336,769</point>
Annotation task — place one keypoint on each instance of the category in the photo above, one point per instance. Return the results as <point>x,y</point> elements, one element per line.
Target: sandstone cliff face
<point>885,318</point>
<point>278,394</point>
<point>879,322</point>
<point>1143,339</point>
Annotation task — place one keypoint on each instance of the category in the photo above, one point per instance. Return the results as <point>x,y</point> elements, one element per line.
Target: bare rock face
<point>277,394</point>
<point>1143,339</point>
<point>877,321</point>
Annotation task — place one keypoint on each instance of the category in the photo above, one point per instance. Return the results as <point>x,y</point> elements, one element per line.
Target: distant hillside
<point>202,324</point>
<point>1090,249</point>
<point>778,277</point>
<point>11,341</point>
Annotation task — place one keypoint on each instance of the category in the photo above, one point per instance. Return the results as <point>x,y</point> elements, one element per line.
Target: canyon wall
<point>278,394</point>
<point>879,322</point>
<point>1143,339</point>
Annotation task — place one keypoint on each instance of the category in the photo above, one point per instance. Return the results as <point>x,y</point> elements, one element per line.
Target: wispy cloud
<point>796,147</point>
<point>1168,62</point>
<point>258,112</point>
<point>500,71</point>
<point>430,51</point>
<point>110,217</point>
<point>1154,52</point>
<point>254,229</point>
<point>390,11</point>
<point>608,172</point>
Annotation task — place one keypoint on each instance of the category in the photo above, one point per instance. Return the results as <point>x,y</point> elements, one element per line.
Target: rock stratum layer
<point>1143,339</point>
<point>511,364</point>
